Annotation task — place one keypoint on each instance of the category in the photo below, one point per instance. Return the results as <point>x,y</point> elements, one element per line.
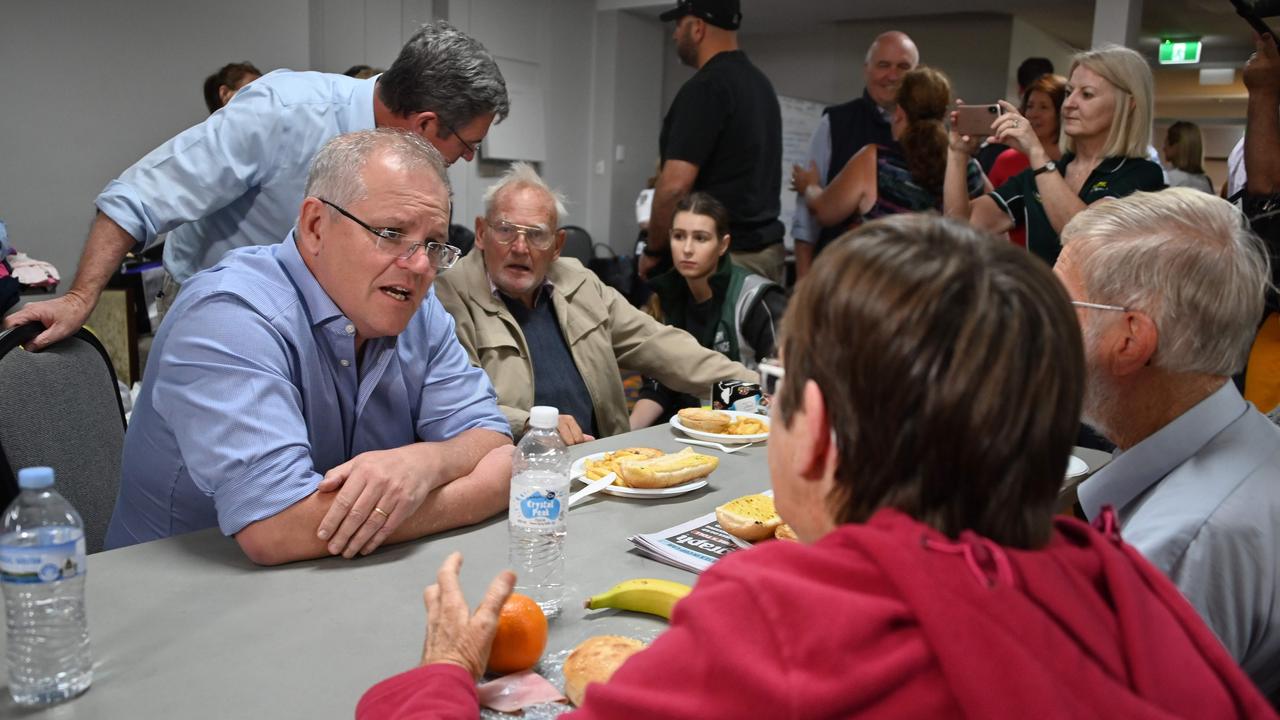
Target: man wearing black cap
<point>722,136</point>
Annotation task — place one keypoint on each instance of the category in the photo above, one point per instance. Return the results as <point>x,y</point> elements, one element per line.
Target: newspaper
<point>693,545</point>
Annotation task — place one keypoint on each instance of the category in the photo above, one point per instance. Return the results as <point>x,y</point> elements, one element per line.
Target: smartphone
<point>975,120</point>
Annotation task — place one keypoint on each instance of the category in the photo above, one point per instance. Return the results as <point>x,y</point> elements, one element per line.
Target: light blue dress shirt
<point>237,178</point>
<point>252,392</point>
<point>804,227</point>
<point>1200,498</point>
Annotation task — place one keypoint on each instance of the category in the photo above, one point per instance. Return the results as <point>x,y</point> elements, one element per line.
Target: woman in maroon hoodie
<point>932,390</point>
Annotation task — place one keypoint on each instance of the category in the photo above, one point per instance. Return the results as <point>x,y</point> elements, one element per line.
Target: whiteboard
<point>799,119</point>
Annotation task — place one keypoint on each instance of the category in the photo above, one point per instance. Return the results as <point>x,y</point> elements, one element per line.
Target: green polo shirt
<point>1114,177</point>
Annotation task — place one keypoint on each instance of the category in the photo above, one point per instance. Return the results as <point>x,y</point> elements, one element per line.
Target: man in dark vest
<point>845,128</point>
<point>722,136</point>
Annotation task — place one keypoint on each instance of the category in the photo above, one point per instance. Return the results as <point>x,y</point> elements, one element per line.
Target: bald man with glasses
<point>309,397</point>
<point>549,332</point>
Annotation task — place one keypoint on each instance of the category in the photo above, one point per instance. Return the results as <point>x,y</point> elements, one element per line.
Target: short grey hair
<point>445,71</point>
<point>1185,258</point>
<point>522,174</point>
<point>337,172</point>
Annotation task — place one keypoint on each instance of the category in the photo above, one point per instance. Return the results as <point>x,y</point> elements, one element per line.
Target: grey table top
<point>188,627</point>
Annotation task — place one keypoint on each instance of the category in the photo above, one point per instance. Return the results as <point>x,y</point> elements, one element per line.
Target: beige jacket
<point>603,331</point>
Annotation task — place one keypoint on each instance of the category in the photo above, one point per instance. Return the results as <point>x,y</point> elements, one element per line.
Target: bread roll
<point>594,660</point>
<point>596,469</point>
<point>751,517</point>
<point>784,532</point>
<point>704,420</point>
<point>667,470</point>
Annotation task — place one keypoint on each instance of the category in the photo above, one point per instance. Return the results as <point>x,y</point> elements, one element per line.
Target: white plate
<point>1076,467</point>
<point>578,472</point>
<point>722,437</point>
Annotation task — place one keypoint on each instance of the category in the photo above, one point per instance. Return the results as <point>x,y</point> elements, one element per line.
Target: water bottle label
<point>539,508</point>
<point>42,563</point>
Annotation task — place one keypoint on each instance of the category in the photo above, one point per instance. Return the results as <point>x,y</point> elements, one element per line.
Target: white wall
<point>89,87</point>
<point>635,124</point>
<point>344,33</point>
<point>544,44</point>
<point>1026,41</point>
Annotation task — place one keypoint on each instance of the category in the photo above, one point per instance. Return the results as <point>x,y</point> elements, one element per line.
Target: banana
<point>646,595</point>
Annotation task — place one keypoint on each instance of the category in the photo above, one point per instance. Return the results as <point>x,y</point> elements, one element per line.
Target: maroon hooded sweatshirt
<point>891,619</point>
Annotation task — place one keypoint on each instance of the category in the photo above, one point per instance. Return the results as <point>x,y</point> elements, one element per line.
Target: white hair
<point>1185,258</point>
<point>522,174</point>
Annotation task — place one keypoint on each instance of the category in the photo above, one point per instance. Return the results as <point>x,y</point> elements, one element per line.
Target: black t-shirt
<point>727,121</point>
<point>1115,176</point>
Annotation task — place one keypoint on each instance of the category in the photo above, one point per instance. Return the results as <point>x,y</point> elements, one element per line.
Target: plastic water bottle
<point>539,504</point>
<point>42,570</point>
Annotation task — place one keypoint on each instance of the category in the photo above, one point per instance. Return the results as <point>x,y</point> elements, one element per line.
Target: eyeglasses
<point>771,375</point>
<point>1097,306</point>
<point>505,232</point>
<point>395,243</point>
<point>471,149</point>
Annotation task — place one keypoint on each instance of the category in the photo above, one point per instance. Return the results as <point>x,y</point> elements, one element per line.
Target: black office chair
<point>61,408</point>
<point>577,244</point>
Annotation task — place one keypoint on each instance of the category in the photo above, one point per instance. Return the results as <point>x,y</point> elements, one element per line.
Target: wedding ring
<point>1015,123</point>
<point>384,512</point>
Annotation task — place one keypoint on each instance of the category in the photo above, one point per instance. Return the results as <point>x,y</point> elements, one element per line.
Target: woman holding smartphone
<point>906,176</point>
<point>725,307</point>
<point>1106,121</point>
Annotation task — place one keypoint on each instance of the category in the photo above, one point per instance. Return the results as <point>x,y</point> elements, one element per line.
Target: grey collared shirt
<point>1200,498</point>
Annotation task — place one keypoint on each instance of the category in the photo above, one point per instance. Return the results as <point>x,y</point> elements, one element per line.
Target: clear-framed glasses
<point>442,256</point>
<point>771,374</point>
<point>505,232</point>
<point>1099,306</point>
<point>472,149</point>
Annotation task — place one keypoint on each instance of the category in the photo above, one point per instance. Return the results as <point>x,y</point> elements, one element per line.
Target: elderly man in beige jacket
<point>548,331</point>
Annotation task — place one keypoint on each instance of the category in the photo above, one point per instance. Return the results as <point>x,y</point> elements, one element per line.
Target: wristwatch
<point>1047,167</point>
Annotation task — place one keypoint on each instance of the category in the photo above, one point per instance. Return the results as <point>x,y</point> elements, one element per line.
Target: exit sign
<point>1179,53</point>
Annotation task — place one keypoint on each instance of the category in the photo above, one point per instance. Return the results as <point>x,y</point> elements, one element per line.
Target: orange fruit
<point>521,636</point>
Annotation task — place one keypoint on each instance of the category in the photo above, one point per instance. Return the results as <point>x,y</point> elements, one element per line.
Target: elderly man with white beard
<point>1169,288</point>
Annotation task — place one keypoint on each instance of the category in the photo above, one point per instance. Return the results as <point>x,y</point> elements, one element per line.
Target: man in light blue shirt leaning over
<point>1169,288</point>
<point>310,397</point>
<point>236,179</point>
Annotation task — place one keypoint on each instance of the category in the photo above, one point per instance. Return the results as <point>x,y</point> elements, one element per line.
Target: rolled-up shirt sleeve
<point>453,395</point>
<point>200,170</point>
<point>223,387</point>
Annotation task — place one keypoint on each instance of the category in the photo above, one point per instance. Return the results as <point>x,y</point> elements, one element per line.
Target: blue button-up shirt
<point>253,391</point>
<point>1200,498</point>
<point>237,178</point>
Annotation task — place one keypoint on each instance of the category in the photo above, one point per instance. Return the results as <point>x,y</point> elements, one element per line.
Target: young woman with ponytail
<point>905,176</point>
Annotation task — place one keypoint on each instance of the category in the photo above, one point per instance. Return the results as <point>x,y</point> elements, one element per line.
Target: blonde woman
<point>1106,123</point>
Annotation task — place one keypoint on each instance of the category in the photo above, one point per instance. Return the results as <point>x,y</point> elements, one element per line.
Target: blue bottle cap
<point>35,478</point>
